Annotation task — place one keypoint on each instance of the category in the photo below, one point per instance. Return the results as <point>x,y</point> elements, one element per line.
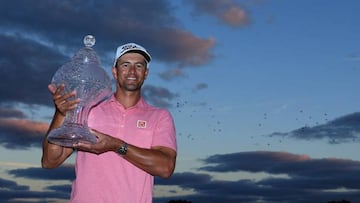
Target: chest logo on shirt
<point>141,124</point>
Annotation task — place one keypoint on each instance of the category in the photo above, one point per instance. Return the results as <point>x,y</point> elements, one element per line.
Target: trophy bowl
<point>92,84</point>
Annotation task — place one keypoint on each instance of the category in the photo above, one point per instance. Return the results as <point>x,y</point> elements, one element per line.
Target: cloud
<point>49,193</point>
<point>341,130</point>
<point>200,86</point>
<point>304,179</point>
<point>191,52</point>
<point>65,23</point>
<point>158,96</point>
<point>226,11</point>
<point>9,112</point>
<point>27,68</point>
<point>11,185</point>
<point>10,191</point>
<point>171,74</point>
<point>21,133</point>
<point>281,163</point>
<point>64,172</point>
<point>60,188</point>
<point>186,179</point>
<point>304,172</point>
<point>27,196</point>
<point>353,57</point>
<point>39,38</point>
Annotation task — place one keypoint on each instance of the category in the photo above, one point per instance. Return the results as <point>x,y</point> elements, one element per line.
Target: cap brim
<point>145,55</point>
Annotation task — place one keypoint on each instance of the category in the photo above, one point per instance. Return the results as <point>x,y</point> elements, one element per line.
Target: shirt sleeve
<point>165,134</point>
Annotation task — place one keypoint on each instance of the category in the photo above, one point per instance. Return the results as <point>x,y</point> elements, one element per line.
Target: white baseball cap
<point>131,47</point>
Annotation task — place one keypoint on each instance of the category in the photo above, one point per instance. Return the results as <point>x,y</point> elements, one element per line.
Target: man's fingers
<point>59,89</point>
<point>69,95</point>
<point>60,99</point>
<point>52,88</point>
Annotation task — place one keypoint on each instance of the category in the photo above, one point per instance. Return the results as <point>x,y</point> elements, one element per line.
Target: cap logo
<point>129,46</point>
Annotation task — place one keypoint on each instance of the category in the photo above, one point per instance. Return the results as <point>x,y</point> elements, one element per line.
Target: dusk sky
<point>263,93</point>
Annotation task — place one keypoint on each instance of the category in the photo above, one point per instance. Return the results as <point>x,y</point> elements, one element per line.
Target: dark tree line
<point>185,201</point>
<point>342,201</point>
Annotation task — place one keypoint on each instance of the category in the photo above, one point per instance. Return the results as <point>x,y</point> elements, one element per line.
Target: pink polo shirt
<point>108,178</point>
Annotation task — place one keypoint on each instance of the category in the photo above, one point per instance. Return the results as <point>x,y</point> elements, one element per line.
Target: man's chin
<point>132,88</point>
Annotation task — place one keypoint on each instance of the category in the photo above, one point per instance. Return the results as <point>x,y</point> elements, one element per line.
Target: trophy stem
<point>73,130</point>
<point>78,115</point>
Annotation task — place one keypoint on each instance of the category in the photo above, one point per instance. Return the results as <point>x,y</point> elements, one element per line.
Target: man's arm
<point>54,155</point>
<point>157,161</point>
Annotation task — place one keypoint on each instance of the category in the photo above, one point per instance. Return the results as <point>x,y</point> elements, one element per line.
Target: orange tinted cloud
<point>234,16</point>
<point>25,125</point>
<point>21,133</point>
<point>226,11</point>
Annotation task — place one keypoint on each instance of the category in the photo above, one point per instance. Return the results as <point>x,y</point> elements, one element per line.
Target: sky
<point>262,92</point>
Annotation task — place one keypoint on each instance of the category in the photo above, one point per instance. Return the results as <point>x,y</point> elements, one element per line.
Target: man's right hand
<point>63,102</point>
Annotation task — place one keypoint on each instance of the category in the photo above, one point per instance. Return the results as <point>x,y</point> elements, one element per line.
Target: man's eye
<point>139,66</point>
<point>124,65</point>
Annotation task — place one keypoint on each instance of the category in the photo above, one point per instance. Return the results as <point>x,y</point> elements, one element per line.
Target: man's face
<point>130,71</point>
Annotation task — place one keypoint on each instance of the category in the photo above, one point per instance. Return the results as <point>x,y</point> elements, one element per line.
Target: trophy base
<point>70,134</point>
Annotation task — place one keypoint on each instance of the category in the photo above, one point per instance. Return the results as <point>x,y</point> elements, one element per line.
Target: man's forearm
<point>54,155</point>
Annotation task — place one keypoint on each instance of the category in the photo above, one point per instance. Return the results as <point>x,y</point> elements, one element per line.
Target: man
<point>135,141</point>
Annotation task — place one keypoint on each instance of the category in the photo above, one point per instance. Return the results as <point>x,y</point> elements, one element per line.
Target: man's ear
<point>146,73</point>
<point>114,72</point>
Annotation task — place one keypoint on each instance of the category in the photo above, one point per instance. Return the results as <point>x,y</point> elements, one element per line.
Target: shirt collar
<point>140,104</point>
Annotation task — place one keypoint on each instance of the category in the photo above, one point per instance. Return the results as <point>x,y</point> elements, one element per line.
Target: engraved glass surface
<point>92,84</point>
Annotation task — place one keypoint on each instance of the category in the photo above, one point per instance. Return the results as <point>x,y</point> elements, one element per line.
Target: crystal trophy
<point>92,85</point>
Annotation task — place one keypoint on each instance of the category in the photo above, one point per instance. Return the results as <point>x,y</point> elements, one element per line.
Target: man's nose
<point>132,68</point>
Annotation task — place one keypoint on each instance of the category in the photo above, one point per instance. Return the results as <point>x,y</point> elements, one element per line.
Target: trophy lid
<point>89,41</point>
<point>84,65</point>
